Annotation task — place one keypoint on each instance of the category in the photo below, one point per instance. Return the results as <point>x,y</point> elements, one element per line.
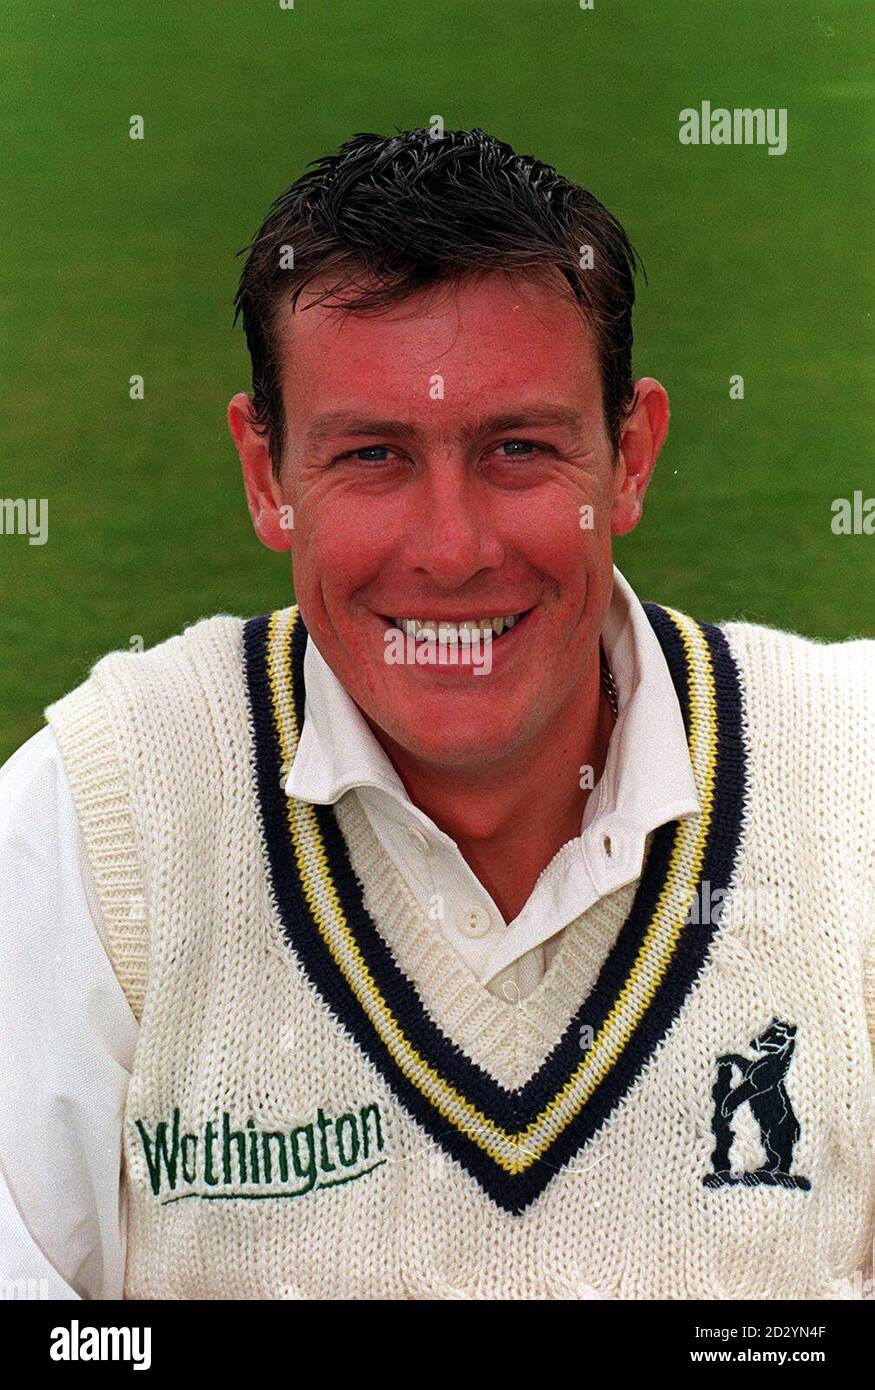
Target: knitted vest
<point>324,1103</point>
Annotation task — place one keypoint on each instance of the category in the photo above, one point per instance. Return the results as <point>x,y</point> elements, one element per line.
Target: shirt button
<point>474,921</point>
<point>418,840</point>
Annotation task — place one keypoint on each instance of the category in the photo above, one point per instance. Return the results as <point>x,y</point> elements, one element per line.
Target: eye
<point>371,453</point>
<point>518,448</point>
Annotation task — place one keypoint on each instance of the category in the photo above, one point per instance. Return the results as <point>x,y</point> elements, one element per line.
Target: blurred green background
<point>119,258</point>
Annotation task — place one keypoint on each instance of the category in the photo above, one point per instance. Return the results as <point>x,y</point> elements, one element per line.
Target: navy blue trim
<point>512,1110</point>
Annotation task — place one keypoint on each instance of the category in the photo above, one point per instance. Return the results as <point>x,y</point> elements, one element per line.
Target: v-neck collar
<point>507,1035</point>
<point>511,1141</point>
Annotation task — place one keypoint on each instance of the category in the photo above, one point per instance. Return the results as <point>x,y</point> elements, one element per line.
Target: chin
<point>461,739</point>
<point>454,753</point>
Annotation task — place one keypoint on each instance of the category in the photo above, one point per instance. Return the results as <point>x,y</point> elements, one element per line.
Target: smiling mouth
<point>460,633</point>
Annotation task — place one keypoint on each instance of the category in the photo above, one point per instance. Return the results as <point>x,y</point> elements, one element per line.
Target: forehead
<point>491,340</point>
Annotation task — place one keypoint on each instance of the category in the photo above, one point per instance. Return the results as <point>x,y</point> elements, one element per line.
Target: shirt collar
<point>648,776</point>
<point>337,749</point>
<point>647,779</point>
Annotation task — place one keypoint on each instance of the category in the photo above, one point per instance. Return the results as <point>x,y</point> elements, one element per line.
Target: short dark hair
<point>387,215</point>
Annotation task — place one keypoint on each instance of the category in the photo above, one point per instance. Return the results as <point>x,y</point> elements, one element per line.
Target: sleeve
<point>68,1038</point>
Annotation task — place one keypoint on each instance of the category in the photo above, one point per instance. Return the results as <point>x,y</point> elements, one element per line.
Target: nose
<point>453,536</point>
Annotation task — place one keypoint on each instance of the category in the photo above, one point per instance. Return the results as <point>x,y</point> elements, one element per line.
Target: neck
<point>488,810</point>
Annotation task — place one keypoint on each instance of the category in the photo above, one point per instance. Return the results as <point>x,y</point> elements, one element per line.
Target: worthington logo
<point>222,1162</point>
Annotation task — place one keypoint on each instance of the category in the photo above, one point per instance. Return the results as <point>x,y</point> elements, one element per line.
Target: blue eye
<point>372,453</point>
<point>517,448</point>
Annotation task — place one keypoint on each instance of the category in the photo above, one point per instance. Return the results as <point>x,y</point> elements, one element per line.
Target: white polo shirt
<point>68,1031</point>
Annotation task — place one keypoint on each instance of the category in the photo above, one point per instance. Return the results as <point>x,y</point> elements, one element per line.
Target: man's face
<point>448,461</point>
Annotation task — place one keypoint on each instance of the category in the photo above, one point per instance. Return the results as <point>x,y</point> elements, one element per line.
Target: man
<point>468,929</point>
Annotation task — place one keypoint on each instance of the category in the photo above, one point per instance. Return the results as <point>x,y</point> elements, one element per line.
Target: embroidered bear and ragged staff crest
<point>760,1085</point>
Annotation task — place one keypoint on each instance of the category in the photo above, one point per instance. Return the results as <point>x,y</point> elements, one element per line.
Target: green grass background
<point>118,257</point>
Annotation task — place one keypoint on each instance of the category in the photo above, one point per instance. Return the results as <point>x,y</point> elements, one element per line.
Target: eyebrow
<point>326,427</point>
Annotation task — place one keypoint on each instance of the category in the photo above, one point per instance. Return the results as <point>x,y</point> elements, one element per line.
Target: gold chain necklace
<point>608,685</point>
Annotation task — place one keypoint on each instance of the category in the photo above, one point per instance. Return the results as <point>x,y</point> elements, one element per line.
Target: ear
<point>641,439</point>
<point>263,494</point>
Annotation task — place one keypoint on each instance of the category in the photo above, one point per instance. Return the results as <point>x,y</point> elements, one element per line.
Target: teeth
<point>433,629</point>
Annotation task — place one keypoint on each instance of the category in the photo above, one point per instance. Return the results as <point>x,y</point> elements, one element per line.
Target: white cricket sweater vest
<point>324,1103</point>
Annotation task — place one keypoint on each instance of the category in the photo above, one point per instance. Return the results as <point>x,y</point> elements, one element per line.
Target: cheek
<point>563,537</point>
<point>340,546</point>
